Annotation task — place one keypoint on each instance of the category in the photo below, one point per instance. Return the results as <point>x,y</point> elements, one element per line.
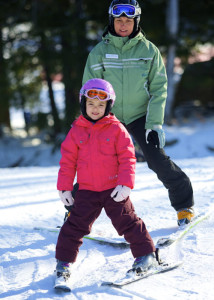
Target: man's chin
<point>123,34</point>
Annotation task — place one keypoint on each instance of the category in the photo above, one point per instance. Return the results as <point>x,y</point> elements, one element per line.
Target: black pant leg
<point>174,179</point>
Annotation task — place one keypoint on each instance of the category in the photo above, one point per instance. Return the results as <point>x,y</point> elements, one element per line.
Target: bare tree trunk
<point>74,55</point>
<point>57,125</point>
<point>4,90</point>
<point>172,30</point>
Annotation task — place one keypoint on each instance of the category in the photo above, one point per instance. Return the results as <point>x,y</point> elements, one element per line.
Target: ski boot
<point>185,216</point>
<point>62,275</point>
<point>144,263</point>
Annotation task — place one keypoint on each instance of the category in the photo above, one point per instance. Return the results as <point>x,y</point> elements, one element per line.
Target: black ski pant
<point>174,179</point>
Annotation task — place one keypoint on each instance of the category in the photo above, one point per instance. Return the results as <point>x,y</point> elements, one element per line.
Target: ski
<point>118,243</point>
<point>181,232</point>
<point>62,287</point>
<point>130,278</point>
<point>101,240</point>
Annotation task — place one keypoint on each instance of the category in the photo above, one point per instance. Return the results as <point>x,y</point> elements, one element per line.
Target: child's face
<point>123,26</point>
<point>95,108</point>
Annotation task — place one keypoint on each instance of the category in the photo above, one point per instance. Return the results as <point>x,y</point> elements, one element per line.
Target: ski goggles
<point>129,10</point>
<point>100,94</point>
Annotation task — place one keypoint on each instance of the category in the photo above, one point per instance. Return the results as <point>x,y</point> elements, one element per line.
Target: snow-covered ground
<point>29,198</point>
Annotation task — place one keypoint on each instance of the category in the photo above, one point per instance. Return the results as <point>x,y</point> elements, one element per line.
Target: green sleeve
<point>158,93</point>
<point>94,66</point>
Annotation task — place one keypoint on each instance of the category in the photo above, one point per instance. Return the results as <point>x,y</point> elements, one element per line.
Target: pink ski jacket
<point>102,154</point>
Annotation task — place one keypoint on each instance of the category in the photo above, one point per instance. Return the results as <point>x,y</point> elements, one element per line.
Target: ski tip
<point>110,284</point>
<point>62,288</point>
<point>164,242</point>
<point>106,283</point>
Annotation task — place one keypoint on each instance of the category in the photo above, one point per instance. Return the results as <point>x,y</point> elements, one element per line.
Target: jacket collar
<point>82,121</point>
<point>120,42</point>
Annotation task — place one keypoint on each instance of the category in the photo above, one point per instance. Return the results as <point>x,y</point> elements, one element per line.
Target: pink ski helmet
<point>97,85</point>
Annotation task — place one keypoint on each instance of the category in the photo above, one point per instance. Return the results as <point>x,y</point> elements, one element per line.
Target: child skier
<point>99,149</point>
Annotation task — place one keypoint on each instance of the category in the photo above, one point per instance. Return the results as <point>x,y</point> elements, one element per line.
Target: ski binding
<point>132,276</point>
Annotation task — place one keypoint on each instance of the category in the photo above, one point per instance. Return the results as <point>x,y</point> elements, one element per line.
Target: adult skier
<point>134,66</point>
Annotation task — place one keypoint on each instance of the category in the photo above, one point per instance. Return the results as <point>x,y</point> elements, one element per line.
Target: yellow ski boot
<point>185,215</point>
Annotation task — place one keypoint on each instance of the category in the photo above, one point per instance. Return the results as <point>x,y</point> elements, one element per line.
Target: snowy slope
<point>29,198</point>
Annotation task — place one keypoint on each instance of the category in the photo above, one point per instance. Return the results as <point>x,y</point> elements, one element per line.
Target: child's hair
<point>98,85</point>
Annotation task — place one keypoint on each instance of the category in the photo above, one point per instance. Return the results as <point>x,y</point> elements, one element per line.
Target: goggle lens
<point>102,95</point>
<point>120,9</point>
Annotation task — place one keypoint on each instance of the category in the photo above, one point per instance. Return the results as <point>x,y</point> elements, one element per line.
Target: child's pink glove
<point>66,198</point>
<point>120,193</point>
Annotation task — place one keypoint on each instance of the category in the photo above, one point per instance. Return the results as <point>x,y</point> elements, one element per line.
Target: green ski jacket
<point>137,73</point>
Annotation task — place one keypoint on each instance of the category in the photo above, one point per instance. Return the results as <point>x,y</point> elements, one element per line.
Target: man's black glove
<point>156,137</point>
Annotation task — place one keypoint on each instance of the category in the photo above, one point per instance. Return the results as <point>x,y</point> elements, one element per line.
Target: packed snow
<point>29,199</point>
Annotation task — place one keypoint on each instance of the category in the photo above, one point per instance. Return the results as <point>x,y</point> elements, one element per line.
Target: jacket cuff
<point>156,126</point>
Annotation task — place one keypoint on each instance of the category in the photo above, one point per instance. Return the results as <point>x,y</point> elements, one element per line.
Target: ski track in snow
<point>29,199</point>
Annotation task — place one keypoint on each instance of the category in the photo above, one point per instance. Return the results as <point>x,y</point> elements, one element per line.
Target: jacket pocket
<point>82,173</point>
<point>144,65</point>
<point>83,144</point>
<point>107,145</point>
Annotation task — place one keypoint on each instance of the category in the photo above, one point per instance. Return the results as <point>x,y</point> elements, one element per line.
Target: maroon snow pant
<point>87,207</point>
